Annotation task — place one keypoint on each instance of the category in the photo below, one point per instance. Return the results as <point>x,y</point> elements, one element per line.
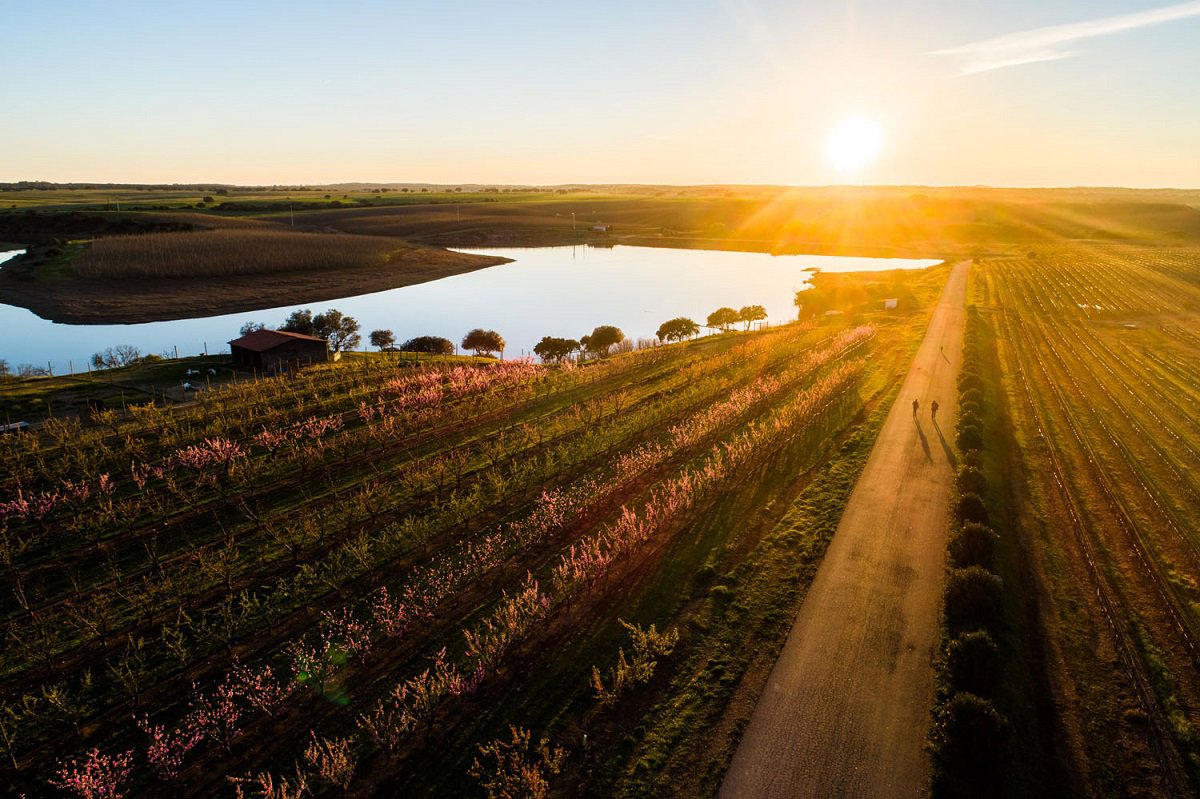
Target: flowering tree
<point>216,713</point>
<point>333,759</point>
<point>167,748</point>
<point>97,776</point>
<point>518,768</point>
<point>648,645</point>
<point>266,785</point>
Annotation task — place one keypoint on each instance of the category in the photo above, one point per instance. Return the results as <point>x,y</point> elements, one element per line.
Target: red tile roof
<point>263,340</point>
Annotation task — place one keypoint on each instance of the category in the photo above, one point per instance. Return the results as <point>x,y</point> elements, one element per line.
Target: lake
<point>546,291</point>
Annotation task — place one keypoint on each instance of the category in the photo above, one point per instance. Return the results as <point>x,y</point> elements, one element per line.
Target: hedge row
<point>970,735</point>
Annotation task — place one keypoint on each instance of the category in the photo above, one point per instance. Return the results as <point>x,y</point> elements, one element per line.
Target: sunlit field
<point>384,557</point>
<point>736,400</point>
<point>1099,351</point>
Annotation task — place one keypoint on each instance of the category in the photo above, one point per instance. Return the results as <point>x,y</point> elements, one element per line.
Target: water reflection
<point>557,291</point>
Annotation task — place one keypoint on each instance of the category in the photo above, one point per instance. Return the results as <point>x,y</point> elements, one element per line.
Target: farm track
<point>847,704</point>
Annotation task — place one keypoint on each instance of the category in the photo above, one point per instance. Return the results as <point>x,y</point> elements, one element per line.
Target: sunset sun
<point>853,144</point>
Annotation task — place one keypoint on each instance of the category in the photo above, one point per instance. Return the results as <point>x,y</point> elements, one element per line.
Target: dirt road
<point>846,709</point>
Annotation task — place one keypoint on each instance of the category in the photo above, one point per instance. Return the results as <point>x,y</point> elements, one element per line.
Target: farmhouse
<point>272,350</point>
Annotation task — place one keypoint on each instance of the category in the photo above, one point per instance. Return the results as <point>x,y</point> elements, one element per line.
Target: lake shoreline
<point>81,301</point>
<point>530,293</point>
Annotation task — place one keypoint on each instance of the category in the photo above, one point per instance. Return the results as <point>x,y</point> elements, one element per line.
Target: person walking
<point>916,407</point>
<point>933,410</point>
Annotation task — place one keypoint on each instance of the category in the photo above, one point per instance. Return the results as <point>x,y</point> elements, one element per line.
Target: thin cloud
<point>1047,44</point>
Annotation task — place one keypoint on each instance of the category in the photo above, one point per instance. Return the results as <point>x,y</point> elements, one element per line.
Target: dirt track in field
<point>846,710</point>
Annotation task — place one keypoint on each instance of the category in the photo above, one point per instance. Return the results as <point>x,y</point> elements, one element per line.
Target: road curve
<point>846,709</point>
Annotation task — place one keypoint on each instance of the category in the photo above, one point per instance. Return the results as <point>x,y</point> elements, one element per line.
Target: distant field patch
<point>216,253</point>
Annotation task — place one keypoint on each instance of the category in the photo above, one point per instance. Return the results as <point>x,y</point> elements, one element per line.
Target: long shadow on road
<point>946,448</point>
<point>924,441</point>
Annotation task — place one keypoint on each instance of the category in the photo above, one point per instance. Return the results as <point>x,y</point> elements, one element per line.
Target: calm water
<point>549,291</point>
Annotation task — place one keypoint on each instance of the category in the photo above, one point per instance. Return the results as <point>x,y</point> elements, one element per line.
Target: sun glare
<point>853,144</point>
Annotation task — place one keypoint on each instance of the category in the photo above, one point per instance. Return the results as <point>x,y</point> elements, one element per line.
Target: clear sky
<point>1014,93</point>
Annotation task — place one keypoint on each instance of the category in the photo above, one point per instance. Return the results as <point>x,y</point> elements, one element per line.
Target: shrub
<point>972,407</point>
<point>973,458</point>
<point>972,395</point>
<point>970,419</point>
<point>974,664</point>
<point>974,598</point>
<point>973,545</point>
<point>970,381</point>
<point>972,735</point>
<point>969,437</point>
<point>971,481</point>
<point>970,508</point>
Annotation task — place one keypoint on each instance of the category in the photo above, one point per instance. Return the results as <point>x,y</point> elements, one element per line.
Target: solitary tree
<point>603,338</point>
<point>251,327</point>
<point>435,345</point>
<point>551,348</point>
<point>723,318</point>
<point>382,339</point>
<point>299,321</point>
<point>677,329</point>
<point>127,354</point>
<point>339,330</point>
<point>752,313</point>
<point>482,341</point>
<point>112,357</point>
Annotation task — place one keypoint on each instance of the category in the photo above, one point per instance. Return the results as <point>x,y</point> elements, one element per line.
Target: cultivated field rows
<point>381,517</point>
<point>1102,364</point>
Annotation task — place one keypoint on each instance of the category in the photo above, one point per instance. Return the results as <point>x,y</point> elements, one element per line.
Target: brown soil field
<point>94,300</point>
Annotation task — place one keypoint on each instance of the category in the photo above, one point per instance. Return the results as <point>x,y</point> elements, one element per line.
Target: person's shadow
<point>924,441</point>
<point>945,444</point>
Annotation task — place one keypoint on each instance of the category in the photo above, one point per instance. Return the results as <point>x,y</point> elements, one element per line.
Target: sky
<point>960,92</point>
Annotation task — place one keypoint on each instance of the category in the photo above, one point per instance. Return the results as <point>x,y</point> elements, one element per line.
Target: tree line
<point>342,333</point>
